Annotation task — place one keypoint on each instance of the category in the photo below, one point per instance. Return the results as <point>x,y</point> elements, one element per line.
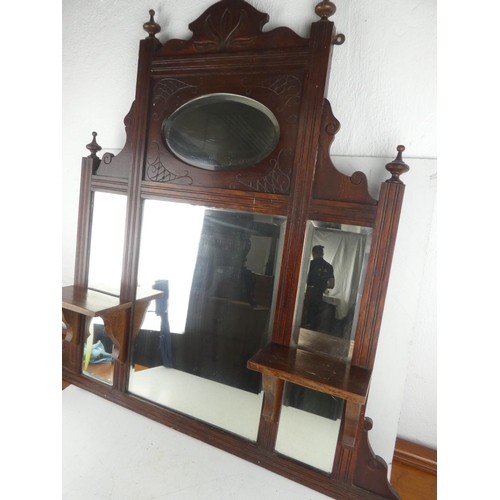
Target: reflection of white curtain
<point>344,251</point>
<point>169,249</point>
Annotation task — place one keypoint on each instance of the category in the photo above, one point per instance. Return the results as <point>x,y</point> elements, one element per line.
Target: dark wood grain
<point>230,53</point>
<point>91,303</point>
<point>314,371</point>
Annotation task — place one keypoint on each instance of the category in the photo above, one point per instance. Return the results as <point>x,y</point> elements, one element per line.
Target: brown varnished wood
<point>279,92</point>
<point>414,470</point>
<point>322,33</point>
<point>329,183</point>
<point>91,303</point>
<point>111,185</point>
<point>84,223</point>
<point>229,52</point>
<point>271,410</point>
<point>119,166</point>
<point>415,455</point>
<point>134,204</point>
<point>72,344</point>
<point>371,470</point>
<point>379,264</point>
<point>342,212</point>
<point>314,371</point>
<point>231,25</point>
<point>218,198</point>
<point>322,343</point>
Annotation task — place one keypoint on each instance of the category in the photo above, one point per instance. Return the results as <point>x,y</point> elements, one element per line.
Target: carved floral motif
<point>226,34</point>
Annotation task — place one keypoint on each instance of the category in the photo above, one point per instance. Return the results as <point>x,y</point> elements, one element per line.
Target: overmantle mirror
<point>242,277</point>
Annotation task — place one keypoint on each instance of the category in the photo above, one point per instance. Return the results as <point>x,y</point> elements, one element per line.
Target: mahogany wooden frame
<point>229,52</point>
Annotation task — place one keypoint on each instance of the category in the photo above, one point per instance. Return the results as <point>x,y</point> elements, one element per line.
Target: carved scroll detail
<point>330,183</point>
<point>157,172</point>
<point>277,181</point>
<point>287,87</point>
<point>164,90</point>
<point>371,470</point>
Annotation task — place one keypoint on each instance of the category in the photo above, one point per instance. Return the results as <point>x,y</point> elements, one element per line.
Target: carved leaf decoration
<point>168,86</point>
<point>226,35</point>
<point>163,90</point>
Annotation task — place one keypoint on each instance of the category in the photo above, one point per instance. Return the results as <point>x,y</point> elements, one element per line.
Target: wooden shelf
<point>142,294</point>
<point>90,302</point>
<point>314,371</point>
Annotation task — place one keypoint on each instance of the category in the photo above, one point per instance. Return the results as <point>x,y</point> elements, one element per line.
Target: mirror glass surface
<point>331,283</point>
<point>221,132</point>
<point>218,270</point>
<point>330,287</point>
<point>106,245</point>
<point>97,360</point>
<point>309,426</point>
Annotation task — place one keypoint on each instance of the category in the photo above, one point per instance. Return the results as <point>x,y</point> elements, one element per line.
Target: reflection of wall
<point>258,254</point>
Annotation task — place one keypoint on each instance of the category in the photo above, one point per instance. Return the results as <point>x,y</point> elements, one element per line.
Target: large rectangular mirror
<point>219,271</point>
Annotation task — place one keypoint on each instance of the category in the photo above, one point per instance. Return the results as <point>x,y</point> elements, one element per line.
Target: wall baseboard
<point>416,456</point>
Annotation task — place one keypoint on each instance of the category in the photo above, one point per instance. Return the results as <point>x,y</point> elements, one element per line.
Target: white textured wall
<point>383,91</point>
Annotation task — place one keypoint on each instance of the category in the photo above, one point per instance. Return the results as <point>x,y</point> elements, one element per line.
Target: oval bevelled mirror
<point>221,132</point>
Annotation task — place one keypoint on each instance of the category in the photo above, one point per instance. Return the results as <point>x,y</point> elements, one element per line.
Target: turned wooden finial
<point>325,9</point>
<point>151,26</point>
<point>93,147</point>
<point>397,167</point>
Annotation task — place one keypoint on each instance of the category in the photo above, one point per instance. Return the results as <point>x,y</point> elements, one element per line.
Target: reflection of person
<point>319,279</point>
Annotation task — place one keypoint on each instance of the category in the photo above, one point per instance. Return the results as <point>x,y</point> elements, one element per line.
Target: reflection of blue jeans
<point>98,354</point>
<point>165,341</point>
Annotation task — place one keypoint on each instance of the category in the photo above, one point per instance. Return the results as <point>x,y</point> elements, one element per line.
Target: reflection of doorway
<point>231,299</point>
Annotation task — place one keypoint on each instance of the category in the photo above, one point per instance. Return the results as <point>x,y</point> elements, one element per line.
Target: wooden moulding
<point>416,456</point>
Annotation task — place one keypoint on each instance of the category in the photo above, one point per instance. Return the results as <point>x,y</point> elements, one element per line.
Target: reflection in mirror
<point>331,284</point>
<point>218,270</point>
<point>330,288</point>
<point>97,360</point>
<point>309,426</point>
<point>106,246</point>
<point>221,132</point>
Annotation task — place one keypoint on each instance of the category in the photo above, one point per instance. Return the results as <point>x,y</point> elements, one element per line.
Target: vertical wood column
<point>378,271</point>
<point>360,462</point>
<point>271,411</point>
<point>134,205</point>
<point>315,83</point>
<point>84,222</point>
<point>315,86</point>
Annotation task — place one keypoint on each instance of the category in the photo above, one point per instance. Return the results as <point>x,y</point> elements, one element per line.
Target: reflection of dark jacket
<point>319,274</point>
